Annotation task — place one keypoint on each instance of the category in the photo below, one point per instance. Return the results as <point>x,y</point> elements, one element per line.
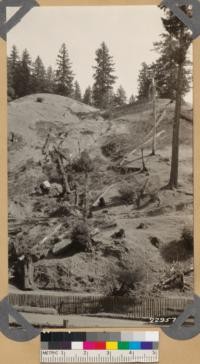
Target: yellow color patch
<point>111,345</point>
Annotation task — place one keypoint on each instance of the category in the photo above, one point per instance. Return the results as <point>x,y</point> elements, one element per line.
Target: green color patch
<point>123,345</point>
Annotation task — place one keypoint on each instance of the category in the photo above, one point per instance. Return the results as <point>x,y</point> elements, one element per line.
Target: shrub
<point>107,114</point>
<point>110,148</point>
<point>80,236</point>
<point>187,237</point>
<point>125,280</point>
<point>179,250</point>
<point>131,276</point>
<point>40,99</point>
<point>83,163</point>
<point>115,146</point>
<point>127,194</point>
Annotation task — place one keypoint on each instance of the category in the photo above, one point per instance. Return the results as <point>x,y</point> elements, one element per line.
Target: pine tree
<point>181,34</point>
<point>23,78</point>
<point>77,91</point>
<point>131,100</point>
<point>144,82</point>
<point>50,80</point>
<point>120,96</point>
<point>87,97</point>
<point>13,64</point>
<point>165,69</point>
<point>64,74</point>
<point>38,76</point>
<point>104,78</point>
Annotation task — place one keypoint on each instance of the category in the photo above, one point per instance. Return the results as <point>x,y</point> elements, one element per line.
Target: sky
<point>128,31</point>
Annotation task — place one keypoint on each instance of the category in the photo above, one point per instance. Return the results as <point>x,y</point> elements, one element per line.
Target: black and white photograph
<point>100,166</point>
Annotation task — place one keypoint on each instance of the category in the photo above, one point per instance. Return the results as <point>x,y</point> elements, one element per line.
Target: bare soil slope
<point>114,144</point>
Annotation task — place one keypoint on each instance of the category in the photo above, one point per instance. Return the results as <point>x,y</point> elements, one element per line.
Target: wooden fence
<point>123,306</point>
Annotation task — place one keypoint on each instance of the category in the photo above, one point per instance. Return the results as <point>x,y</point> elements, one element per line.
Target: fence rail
<point>65,305</point>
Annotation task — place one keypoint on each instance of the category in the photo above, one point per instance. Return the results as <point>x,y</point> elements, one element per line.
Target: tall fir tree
<point>181,34</point>
<point>64,75</point>
<point>38,76</point>
<point>131,99</point>
<point>10,89</point>
<point>50,80</point>
<point>144,82</point>
<point>23,77</point>
<point>77,91</point>
<point>13,64</point>
<point>165,69</point>
<point>120,96</point>
<point>104,77</point>
<point>87,97</point>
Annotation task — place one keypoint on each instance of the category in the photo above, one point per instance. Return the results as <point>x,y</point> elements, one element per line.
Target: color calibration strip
<point>91,347</point>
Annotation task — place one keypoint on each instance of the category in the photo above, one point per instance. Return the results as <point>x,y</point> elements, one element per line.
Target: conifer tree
<point>87,97</point>
<point>181,35</point>
<point>144,82</point>
<point>104,77</point>
<point>77,91</point>
<point>131,100</point>
<point>50,80</point>
<point>13,64</point>
<point>23,78</point>
<point>165,69</point>
<point>38,76</point>
<point>64,75</point>
<point>120,96</point>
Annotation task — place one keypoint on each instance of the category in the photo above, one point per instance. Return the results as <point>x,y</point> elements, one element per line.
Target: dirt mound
<point>30,122</point>
<point>87,272</point>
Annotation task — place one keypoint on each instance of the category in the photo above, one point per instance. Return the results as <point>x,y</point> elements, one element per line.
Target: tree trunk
<point>46,144</point>
<point>173,181</point>
<point>66,187</point>
<point>154,118</point>
<point>144,168</point>
<point>28,273</point>
<point>85,204</point>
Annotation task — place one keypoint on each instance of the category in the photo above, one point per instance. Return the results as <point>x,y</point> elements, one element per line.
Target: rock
<point>56,190</point>
<point>155,241</point>
<point>101,202</point>
<point>141,226</point>
<point>113,251</point>
<point>118,234</point>
<point>45,187</point>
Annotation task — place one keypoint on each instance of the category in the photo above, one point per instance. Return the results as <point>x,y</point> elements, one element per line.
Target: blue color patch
<point>134,345</point>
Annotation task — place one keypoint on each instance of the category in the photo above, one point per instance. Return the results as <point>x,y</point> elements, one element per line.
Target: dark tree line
<point>26,77</point>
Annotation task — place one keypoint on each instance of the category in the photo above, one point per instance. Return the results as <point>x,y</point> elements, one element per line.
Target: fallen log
<point>109,225</point>
<point>186,117</point>
<point>148,139</point>
<point>41,310</point>
<point>47,237</point>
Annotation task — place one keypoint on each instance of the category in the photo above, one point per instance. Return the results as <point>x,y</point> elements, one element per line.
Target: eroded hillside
<point>127,237</point>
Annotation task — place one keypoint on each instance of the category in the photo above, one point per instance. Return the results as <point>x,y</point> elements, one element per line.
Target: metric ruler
<point>99,347</point>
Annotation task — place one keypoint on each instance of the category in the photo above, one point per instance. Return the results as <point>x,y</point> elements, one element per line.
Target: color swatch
<point>100,340</point>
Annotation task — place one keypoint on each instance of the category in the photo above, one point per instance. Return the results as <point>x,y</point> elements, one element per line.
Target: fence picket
<point>124,306</point>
